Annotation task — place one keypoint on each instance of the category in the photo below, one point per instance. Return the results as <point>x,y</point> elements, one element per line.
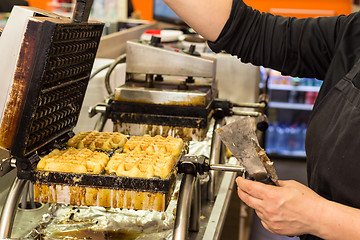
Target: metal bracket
<point>102,108</point>
<point>224,108</point>
<point>6,162</point>
<point>191,164</point>
<point>5,166</point>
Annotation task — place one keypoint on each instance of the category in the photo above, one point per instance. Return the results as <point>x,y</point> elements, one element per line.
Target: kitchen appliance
<point>46,64</point>
<point>174,92</point>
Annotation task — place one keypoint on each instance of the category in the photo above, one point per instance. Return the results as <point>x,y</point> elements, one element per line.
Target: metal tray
<point>100,180</point>
<point>110,181</point>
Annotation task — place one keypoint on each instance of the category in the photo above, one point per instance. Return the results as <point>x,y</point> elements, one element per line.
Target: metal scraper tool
<point>240,138</point>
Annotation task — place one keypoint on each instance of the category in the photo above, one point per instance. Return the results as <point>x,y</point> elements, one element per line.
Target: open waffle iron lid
<point>47,78</point>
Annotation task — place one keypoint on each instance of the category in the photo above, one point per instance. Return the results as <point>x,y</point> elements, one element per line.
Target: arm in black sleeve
<point>296,47</point>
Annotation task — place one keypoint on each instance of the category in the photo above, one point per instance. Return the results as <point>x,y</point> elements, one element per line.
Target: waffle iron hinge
<point>26,164</point>
<point>9,162</point>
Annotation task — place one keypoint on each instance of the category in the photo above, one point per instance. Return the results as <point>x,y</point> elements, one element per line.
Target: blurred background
<point>291,99</point>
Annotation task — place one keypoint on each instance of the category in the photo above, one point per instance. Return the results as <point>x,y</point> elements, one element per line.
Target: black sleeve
<point>296,47</point>
<point>7,5</point>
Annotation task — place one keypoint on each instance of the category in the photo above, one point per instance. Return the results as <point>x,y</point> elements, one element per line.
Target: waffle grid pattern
<point>87,152</point>
<point>146,157</point>
<point>94,140</point>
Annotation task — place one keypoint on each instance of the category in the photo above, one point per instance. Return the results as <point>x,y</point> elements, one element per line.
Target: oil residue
<point>98,235</point>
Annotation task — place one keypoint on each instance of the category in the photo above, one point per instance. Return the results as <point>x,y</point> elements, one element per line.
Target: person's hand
<point>289,209</point>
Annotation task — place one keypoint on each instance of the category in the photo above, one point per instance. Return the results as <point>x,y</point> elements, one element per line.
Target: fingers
<point>245,193</point>
<point>255,189</point>
<point>255,194</point>
<point>248,199</point>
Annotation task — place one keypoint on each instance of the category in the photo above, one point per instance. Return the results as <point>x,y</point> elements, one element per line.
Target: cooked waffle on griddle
<point>74,160</point>
<point>146,157</point>
<point>141,165</point>
<point>157,144</point>
<point>153,158</point>
<point>94,140</point>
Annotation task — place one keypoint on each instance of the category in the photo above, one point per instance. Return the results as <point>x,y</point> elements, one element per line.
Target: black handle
<point>266,180</point>
<point>82,10</point>
<point>263,123</point>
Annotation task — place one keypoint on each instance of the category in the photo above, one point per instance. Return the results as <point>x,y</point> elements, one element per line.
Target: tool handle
<point>250,105</point>
<point>267,180</point>
<point>246,113</point>
<point>227,168</point>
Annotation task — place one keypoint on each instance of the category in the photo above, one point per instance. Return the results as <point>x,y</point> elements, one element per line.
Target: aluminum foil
<point>69,222</point>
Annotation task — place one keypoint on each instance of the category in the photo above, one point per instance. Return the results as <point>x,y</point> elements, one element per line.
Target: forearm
<point>339,222</point>
<point>206,17</point>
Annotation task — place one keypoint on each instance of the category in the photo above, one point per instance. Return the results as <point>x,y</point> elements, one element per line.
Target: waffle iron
<point>46,94</point>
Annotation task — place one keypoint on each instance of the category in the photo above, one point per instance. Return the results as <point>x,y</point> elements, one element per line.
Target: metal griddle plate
<point>167,92</point>
<point>164,104</point>
<point>155,185</point>
<point>56,78</point>
<point>164,115</point>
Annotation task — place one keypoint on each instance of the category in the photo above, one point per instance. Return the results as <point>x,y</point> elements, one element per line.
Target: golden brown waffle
<point>143,157</point>
<point>157,144</point>
<point>141,165</point>
<point>74,160</point>
<point>95,140</point>
<point>146,157</point>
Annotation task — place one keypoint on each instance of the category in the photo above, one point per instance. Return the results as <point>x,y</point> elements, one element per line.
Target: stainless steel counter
<point>25,220</point>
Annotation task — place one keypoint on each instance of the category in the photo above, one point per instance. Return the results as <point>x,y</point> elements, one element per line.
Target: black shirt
<point>325,48</point>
